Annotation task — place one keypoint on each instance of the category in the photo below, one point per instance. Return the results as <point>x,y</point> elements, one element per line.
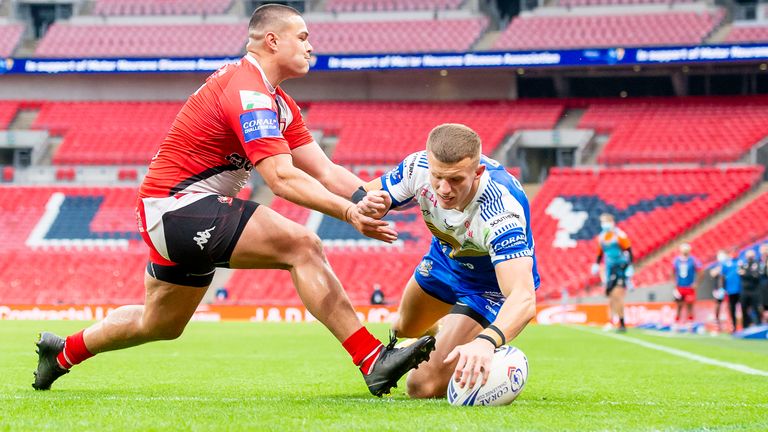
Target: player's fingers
<point>371,222</point>
<point>486,371</point>
<point>477,373</point>
<point>460,366</point>
<point>466,372</point>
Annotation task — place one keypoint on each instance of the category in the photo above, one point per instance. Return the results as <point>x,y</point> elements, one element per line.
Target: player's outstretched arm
<point>515,278</point>
<point>311,159</point>
<point>295,185</point>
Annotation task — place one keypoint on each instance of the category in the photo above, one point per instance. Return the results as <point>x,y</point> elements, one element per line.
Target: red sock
<point>74,351</point>
<point>364,349</point>
<point>690,318</point>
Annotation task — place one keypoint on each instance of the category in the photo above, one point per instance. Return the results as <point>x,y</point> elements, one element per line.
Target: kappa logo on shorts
<point>203,236</point>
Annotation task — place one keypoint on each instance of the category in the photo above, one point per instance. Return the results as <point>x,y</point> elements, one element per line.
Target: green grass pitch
<point>247,376</point>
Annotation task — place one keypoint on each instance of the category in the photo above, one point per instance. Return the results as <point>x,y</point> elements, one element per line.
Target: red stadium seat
<point>658,130</point>
<point>740,229</point>
<point>165,7</point>
<point>580,31</point>
<point>367,135</point>
<point>10,36</point>
<point>656,218</point>
<point>389,5</point>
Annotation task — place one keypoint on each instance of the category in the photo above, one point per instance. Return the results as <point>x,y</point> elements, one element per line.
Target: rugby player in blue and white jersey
<point>480,274</point>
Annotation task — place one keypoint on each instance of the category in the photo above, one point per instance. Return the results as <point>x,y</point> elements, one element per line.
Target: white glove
<point>595,268</point>
<point>629,271</point>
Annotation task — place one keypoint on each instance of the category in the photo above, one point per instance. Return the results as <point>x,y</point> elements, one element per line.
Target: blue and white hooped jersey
<point>685,270</point>
<point>494,227</point>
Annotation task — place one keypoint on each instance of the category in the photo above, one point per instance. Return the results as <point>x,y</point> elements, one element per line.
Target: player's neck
<point>270,70</point>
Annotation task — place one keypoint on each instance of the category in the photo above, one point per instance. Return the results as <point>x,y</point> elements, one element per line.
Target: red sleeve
<point>295,133</point>
<point>252,114</point>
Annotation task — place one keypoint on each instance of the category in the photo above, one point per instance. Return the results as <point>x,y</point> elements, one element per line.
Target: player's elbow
<point>280,181</point>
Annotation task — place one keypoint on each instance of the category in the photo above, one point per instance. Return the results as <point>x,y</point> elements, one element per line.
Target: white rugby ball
<point>509,373</point>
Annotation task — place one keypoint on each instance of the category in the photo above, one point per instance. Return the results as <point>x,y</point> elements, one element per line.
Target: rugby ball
<point>509,373</point>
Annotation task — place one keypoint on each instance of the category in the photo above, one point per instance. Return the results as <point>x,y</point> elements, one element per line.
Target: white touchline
<point>680,353</point>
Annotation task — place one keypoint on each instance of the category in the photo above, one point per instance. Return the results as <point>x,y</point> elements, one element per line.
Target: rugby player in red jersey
<point>187,213</point>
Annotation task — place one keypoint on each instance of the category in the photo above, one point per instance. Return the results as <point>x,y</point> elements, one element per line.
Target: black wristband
<point>488,338</point>
<point>501,334</point>
<point>359,194</point>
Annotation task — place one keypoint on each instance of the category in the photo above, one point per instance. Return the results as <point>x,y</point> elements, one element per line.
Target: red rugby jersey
<point>234,120</point>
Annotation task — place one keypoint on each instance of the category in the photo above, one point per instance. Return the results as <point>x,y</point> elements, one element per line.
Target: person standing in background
<point>684,269</point>
<point>727,272</point>
<point>749,271</point>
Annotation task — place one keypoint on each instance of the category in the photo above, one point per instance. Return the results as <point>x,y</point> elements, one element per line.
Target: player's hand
<point>375,204</point>
<point>629,271</point>
<point>474,362</point>
<point>595,269</point>
<point>370,227</point>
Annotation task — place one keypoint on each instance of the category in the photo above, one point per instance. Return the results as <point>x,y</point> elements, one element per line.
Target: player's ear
<point>270,40</point>
<point>480,170</point>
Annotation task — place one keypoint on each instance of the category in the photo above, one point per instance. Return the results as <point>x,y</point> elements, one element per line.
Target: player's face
<point>454,184</point>
<point>295,49</point>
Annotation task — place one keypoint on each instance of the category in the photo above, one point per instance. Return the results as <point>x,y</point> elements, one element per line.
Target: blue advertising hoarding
<point>589,57</point>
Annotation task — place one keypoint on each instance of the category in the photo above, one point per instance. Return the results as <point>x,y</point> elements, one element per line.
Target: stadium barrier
<point>636,313</point>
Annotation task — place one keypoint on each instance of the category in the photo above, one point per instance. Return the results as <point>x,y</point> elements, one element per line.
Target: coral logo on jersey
<point>259,124</point>
<point>251,100</point>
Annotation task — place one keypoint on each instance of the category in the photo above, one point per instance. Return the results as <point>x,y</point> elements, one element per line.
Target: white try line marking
<point>680,353</point>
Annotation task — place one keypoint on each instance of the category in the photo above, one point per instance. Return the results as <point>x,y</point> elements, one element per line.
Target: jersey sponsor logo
<point>259,124</point>
<point>576,222</point>
<point>251,100</point>
<point>505,217</point>
<point>202,237</point>
<point>239,161</point>
<point>511,241</point>
<point>396,175</point>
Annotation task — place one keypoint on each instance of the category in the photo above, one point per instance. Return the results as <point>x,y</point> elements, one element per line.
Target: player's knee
<point>419,386</point>
<point>308,246</point>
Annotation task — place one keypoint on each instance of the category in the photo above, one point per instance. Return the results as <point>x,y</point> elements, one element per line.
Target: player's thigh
<point>617,293</point>
<point>169,307</point>
<point>418,310</point>
<point>270,240</point>
<point>457,330</point>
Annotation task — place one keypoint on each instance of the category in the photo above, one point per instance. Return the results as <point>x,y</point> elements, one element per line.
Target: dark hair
<point>269,13</point>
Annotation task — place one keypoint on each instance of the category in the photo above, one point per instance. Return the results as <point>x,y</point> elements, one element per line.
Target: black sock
<point>621,321</point>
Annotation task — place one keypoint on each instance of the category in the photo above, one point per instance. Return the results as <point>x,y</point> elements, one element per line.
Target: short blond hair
<point>452,142</point>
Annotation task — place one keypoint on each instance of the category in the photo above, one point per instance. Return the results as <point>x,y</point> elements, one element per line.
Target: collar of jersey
<point>254,62</point>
